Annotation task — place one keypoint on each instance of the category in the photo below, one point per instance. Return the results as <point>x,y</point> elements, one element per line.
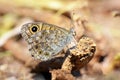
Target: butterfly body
<point>45,40</point>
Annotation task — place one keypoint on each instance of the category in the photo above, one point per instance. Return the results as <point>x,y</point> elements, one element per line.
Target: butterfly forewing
<point>48,41</point>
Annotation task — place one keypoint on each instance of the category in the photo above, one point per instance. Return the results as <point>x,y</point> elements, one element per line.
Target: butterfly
<point>45,40</point>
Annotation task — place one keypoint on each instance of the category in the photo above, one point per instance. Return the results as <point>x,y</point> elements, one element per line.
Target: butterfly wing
<point>47,43</point>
